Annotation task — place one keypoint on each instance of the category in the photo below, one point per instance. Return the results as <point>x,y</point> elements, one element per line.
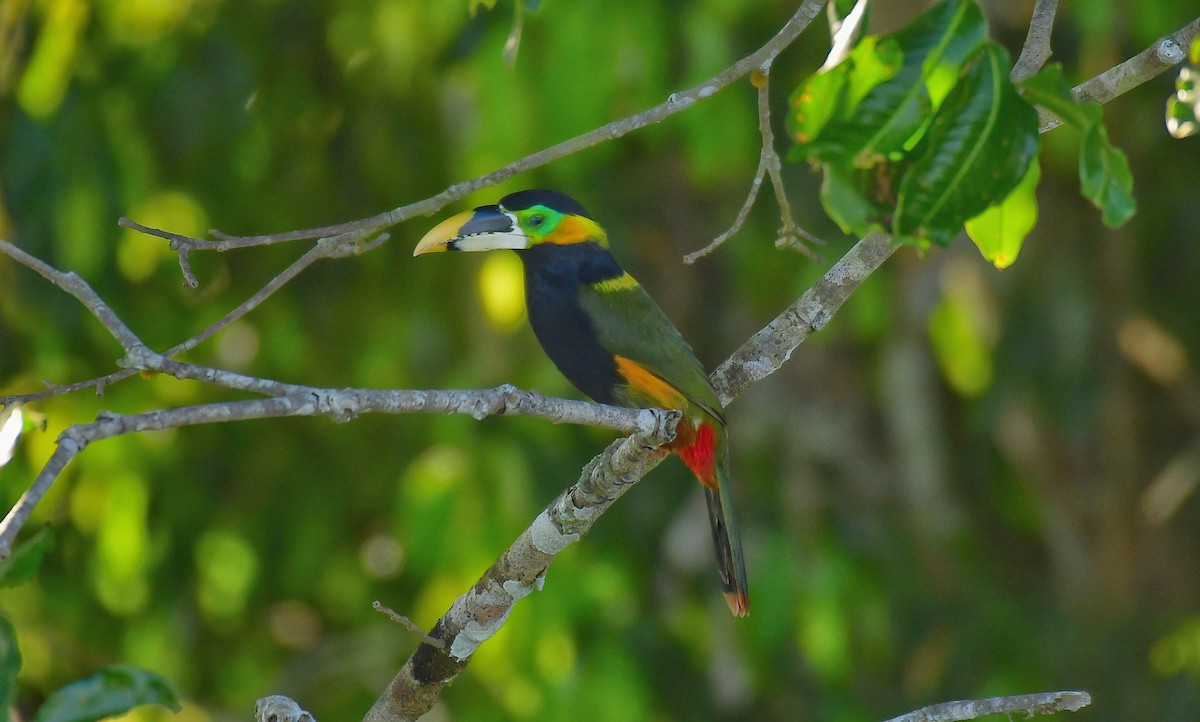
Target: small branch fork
<point>791,235</point>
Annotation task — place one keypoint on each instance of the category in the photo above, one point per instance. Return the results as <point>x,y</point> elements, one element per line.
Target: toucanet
<point>609,338</point>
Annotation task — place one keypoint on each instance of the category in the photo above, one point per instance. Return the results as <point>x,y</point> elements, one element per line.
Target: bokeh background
<point>973,482</point>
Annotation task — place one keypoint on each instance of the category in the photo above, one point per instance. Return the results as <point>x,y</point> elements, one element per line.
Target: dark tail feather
<point>726,541</point>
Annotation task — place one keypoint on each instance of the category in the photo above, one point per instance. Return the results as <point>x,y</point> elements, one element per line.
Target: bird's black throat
<point>553,276</point>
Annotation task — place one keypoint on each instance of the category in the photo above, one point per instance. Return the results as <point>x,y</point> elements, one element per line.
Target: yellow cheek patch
<point>576,229</point>
<point>638,378</point>
<point>624,282</point>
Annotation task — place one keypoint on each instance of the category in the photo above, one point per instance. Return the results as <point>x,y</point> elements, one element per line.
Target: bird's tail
<point>726,541</point>
<point>705,450</point>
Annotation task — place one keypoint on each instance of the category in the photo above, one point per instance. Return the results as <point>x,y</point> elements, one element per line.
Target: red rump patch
<point>699,455</point>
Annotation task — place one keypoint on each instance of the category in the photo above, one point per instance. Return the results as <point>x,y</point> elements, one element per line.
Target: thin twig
<point>73,284</point>
<point>1036,50</point>
<point>408,624</point>
<point>769,165</point>
<point>1026,704</point>
<point>334,247</point>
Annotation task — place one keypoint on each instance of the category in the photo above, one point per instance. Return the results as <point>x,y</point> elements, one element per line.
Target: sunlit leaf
<point>26,559</point>
<point>10,664</point>
<point>893,83</point>
<point>977,149</point>
<point>1001,229</point>
<point>111,691</point>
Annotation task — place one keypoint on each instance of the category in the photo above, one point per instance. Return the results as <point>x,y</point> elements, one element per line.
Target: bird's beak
<point>483,229</point>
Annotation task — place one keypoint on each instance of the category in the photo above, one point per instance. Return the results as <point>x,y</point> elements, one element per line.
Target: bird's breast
<point>566,332</point>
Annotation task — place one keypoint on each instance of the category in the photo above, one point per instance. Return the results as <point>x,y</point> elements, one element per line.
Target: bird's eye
<point>536,221</point>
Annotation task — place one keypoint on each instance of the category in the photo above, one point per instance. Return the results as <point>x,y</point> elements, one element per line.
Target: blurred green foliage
<point>973,482</point>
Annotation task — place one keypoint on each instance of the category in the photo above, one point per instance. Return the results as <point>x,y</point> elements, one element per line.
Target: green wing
<point>629,323</point>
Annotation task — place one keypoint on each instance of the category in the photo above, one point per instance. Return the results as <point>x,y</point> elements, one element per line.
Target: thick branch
<point>410,696</point>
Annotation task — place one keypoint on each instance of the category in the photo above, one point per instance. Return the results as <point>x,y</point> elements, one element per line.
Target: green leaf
<point>10,664</point>
<point>26,559</point>
<point>812,105</point>
<point>1049,89</point>
<point>1001,229</point>
<point>977,149</point>
<point>1104,176</point>
<point>844,195</point>
<point>112,691</point>
<point>892,84</point>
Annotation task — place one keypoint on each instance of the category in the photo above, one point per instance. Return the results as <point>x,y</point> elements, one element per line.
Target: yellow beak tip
<point>438,239</point>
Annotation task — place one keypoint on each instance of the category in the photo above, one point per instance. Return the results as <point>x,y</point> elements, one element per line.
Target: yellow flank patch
<point>636,375</point>
<point>576,229</point>
<point>624,282</point>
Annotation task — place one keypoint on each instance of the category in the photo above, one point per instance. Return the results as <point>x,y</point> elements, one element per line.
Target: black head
<point>554,200</point>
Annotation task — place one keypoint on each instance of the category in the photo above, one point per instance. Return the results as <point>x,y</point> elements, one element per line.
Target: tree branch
<point>654,426</point>
<point>1027,704</point>
<point>480,612</point>
<point>790,234</point>
<point>1163,54</point>
<point>487,605</point>
<point>800,20</point>
<point>1036,51</point>
<point>337,247</point>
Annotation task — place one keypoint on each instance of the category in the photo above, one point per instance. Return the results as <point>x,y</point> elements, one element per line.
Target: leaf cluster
<point>922,132</point>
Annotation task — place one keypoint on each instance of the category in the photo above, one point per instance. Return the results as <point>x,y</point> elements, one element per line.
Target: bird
<point>609,338</point>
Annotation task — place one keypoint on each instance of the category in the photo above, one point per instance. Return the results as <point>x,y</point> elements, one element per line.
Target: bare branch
<point>1036,51</point>
<point>770,165</point>
<point>676,102</point>
<point>341,405</point>
<point>333,247</point>
<point>408,624</point>
<point>1027,704</point>
<point>481,612</point>
<point>77,287</point>
<point>1164,53</point>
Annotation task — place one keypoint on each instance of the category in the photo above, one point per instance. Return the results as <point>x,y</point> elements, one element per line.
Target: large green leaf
<point>10,664</point>
<point>112,691</point>
<point>26,559</point>
<point>1104,176</point>
<point>890,88</point>
<point>977,149</point>
<point>1001,229</point>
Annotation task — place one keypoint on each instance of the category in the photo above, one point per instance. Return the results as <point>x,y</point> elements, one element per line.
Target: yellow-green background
<point>961,488</point>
